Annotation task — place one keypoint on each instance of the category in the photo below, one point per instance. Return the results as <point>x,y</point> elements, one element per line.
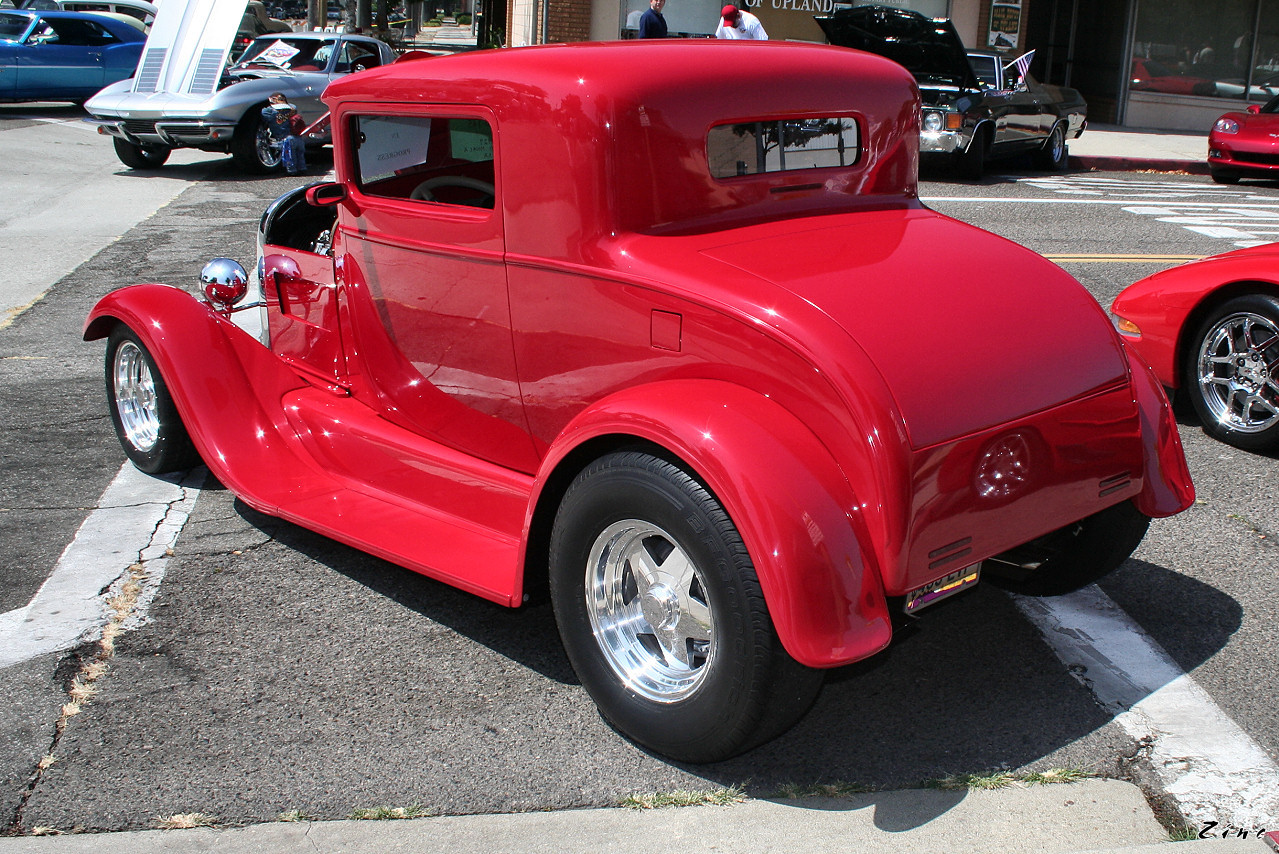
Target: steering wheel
<point>424,192</point>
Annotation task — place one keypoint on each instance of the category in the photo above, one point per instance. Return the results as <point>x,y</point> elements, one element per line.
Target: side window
<point>439,160</point>
<point>357,57</point>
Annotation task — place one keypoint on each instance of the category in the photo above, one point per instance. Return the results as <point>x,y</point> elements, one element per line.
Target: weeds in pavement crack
<point>121,601</point>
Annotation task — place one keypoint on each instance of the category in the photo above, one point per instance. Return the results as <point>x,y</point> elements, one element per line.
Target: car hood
<point>929,48</point>
<point>982,334</point>
<point>187,47</point>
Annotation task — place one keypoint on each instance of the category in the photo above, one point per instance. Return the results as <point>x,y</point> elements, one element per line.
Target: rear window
<point>784,145</point>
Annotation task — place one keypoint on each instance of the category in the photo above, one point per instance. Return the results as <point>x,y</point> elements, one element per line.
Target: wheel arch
<point>1211,302</point>
<point>206,362</point>
<point>799,516</point>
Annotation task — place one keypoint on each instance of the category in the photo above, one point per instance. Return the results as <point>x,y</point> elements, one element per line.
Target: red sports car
<point>1245,145</point>
<point>1211,329</point>
<point>702,367</point>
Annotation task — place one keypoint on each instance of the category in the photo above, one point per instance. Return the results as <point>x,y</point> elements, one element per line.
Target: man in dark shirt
<point>651,24</point>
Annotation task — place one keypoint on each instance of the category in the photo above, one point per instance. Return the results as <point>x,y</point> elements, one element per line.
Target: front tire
<point>1223,177</point>
<point>142,410</point>
<point>972,162</point>
<point>1232,373</point>
<point>1054,156</point>
<point>662,615</point>
<point>1071,557</point>
<point>141,156</point>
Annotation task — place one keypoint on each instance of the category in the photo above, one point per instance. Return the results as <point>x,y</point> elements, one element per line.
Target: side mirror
<point>1254,108</point>
<point>326,195</point>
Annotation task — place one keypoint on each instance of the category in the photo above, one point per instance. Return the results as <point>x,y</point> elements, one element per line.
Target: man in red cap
<point>736,24</point>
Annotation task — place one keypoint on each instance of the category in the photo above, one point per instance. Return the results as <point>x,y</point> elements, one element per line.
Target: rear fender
<point>1166,484</point>
<point>799,517</point>
<point>207,362</point>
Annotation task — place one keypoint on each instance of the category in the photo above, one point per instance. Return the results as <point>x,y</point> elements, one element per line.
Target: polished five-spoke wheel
<point>1233,372</point>
<point>142,410</point>
<point>134,390</point>
<point>648,606</point>
<point>663,616</point>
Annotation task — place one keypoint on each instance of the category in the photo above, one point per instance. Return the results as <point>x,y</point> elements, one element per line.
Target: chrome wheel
<point>270,152</point>
<point>662,615</point>
<point>1238,372</point>
<point>135,398</point>
<point>649,610</point>
<point>145,418</point>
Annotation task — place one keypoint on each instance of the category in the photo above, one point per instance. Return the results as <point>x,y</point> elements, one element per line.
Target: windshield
<point>13,27</point>
<point>291,54</point>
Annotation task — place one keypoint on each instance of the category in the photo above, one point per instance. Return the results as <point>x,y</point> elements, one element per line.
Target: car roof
<point>643,109</point>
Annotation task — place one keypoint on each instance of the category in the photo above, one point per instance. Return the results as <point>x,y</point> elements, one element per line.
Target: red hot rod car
<point>571,317</point>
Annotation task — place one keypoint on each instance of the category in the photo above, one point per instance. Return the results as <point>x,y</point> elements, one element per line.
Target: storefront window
<point>1187,47</point>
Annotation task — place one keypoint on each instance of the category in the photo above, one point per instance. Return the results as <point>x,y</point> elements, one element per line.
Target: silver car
<point>184,95</point>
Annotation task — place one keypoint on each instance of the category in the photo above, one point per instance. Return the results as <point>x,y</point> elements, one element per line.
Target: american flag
<point>1023,63</point>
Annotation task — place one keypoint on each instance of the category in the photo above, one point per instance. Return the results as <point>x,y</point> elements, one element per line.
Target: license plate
<point>960,579</point>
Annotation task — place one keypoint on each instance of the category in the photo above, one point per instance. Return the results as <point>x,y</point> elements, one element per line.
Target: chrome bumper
<point>174,133</point>
<point>943,141</point>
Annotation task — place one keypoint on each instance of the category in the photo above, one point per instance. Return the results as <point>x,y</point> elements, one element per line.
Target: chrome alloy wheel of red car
<point>1237,372</point>
<point>145,417</point>
<point>134,391</point>
<point>648,606</point>
<point>663,617</point>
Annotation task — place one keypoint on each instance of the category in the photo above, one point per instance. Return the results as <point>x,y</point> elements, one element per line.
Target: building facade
<point>1164,64</point>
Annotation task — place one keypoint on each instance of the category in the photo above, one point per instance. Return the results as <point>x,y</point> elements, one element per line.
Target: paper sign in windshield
<point>278,54</point>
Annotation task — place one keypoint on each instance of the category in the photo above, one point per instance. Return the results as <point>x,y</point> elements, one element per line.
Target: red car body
<point>870,419</point>
<point>1150,75</point>
<point>1172,317</point>
<point>1245,144</point>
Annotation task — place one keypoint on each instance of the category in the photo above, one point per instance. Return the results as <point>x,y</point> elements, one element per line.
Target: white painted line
<point>1174,203</point>
<point>138,519</point>
<point>1211,767</point>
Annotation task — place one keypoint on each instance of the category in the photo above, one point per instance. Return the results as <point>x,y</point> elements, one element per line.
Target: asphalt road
<point>280,671</point>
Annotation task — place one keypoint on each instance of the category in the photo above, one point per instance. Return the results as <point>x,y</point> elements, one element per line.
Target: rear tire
<point>141,156</point>
<point>1071,557</point>
<point>662,615</point>
<point>142,410</point>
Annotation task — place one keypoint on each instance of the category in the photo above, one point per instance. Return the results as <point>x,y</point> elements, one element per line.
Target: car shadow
<point>972,689</point>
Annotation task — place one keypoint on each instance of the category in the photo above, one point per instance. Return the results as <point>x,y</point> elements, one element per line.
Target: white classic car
<point>184,94</point>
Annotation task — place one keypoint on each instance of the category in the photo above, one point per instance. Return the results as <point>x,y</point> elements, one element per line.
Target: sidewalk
<point>1098,816</point>
<point>1110,148</point>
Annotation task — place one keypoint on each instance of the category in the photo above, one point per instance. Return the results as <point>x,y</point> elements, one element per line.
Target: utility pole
<point>316,13</point>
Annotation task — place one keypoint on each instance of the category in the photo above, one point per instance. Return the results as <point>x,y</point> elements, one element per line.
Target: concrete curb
<point>1105,163</point>
<point>1092,815</point>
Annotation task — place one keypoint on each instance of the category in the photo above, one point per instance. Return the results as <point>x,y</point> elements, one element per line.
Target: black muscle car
<point>976,106</point>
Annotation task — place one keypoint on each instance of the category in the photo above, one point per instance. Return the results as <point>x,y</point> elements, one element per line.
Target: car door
<point>63,58</point>
<point>422,276</point>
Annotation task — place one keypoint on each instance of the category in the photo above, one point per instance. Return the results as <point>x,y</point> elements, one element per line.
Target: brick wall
<point>569,21</point>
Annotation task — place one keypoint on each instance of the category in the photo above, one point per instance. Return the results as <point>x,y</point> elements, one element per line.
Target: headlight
<point>933,122</point>
<point>1225,125</point>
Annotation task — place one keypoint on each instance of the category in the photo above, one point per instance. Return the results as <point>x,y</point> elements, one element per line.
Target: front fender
<point>227,388</point>
<point>1166,484</point>
<point>796,512</point>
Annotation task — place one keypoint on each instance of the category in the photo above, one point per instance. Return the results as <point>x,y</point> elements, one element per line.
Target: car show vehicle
<point>63,56</point>
<point>1245,144</point>
<point>185,96</point>
<point>680,361</point>
<point>976,106</point>
<point>1210,329</point>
